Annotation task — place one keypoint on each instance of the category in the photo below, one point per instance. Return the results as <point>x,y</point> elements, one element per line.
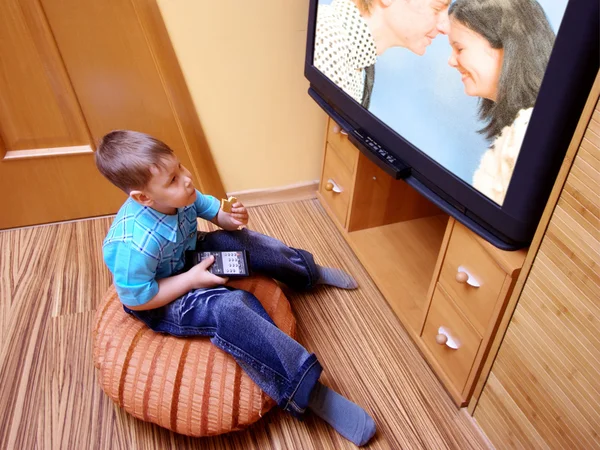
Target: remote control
<point>227,264</point>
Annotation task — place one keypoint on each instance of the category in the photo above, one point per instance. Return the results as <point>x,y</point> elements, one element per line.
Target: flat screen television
<point>471,102</point>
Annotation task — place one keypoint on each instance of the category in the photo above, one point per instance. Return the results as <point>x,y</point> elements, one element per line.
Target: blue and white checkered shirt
<point>144,245</point>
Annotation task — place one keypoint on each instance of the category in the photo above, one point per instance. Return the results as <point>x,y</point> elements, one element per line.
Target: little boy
<point>145,248</point>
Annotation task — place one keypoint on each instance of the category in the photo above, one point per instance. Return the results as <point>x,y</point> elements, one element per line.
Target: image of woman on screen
<point>350,34</point>
<point>501,49</point>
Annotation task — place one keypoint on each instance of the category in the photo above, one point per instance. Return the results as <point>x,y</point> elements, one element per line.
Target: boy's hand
<point>200,277</point>
<point>239,213</point>
<point>231,221</point>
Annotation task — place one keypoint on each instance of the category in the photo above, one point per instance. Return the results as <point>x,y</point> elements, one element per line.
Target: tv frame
<point>571,71</point>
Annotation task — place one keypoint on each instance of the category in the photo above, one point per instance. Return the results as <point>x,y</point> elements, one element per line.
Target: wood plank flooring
<point>53,277</point>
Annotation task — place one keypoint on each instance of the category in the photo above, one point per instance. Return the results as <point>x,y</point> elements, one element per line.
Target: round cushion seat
<point>184,384</point>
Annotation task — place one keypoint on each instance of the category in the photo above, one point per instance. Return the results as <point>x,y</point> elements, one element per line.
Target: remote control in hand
<point>227,264</point>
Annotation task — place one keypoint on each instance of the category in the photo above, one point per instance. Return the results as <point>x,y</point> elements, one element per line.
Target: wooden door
<point>70,71</point>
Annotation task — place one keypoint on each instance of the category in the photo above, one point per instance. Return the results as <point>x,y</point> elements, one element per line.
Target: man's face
<point>416,23</point>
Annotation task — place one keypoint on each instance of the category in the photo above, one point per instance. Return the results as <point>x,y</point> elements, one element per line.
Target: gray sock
<point>347,418</point>
<point>336,277</point>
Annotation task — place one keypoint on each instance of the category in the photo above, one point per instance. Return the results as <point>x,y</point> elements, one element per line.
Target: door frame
<point>196,144</point>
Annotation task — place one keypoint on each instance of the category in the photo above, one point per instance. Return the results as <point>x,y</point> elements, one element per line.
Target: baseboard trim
<point>291,193</point>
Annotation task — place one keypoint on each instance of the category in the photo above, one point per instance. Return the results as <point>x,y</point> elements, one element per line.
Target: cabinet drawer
<point>456,363</point>
<point>466,255</point>
<point>345,149</point>
<point>340,176</point>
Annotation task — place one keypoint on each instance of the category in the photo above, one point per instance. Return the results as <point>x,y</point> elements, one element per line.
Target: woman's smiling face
<point>479,64</point>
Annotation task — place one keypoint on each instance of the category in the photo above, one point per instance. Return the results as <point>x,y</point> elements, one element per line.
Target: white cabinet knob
<point>464,276</point>
<point>445,338</point>
<point>441,339</point>
<point>332,186</point>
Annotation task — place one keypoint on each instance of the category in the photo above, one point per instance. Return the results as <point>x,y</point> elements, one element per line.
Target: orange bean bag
<point>184,384</point>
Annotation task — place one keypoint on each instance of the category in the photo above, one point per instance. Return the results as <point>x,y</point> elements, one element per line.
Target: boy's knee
<point>241,303</point>
<point>237,299</point>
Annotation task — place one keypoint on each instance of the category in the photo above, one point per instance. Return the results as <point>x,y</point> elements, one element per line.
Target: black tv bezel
<point>571,71</point>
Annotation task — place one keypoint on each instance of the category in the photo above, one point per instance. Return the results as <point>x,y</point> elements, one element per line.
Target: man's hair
<point>125,158</point>
<point>522,30</point>
<point>364,5</point>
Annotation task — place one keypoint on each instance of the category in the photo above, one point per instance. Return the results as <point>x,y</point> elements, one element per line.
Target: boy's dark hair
<point>521,28</point>
<point>125,158</point>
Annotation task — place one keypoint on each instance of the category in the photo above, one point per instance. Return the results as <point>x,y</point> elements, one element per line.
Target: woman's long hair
<point>522,30</point>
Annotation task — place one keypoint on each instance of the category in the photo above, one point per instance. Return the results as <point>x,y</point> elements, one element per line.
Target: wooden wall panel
<point>38,108</point>
<point>126,76</point>
<point>544,387</point>
<point>70,71</point>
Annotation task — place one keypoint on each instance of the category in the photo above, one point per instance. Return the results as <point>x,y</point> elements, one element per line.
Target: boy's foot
<point>347,418</point>
<point>336,277</point>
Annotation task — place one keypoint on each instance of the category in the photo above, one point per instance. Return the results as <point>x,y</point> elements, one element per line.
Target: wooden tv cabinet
<point>425,263</point>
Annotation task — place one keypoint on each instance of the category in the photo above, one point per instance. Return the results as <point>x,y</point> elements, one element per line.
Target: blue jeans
<point>237,323</point>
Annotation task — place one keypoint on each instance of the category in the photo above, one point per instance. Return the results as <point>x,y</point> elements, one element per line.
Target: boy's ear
<point>141,198</point>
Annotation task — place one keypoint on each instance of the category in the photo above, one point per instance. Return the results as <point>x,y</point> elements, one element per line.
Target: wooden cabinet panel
<point>456,363</point>
<point>382,200</point>
<point>465,255</point>
<point>338,198</point>
<point>413,252</point>
<point>346,150</point>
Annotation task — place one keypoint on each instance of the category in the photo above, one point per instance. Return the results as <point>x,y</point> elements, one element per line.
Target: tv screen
<point>472,102</point>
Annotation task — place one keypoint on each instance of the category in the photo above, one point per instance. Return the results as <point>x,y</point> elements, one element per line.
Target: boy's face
<point>169,188</point>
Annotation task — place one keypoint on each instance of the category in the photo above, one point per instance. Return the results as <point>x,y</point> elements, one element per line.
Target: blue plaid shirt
<point>144,245</point>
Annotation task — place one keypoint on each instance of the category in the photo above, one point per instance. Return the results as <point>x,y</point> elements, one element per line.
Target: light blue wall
<point>422,98</point>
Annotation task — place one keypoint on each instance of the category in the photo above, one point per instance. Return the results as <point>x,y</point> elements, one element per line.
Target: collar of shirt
<point>363,51</point>
<point>164,224</point>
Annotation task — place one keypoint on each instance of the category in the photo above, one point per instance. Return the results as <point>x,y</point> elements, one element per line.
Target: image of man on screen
<point>350,34</point>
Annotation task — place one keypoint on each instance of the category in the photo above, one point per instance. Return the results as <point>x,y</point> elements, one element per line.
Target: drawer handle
<point>463,276</point>
<point>332,186</point>
<point>444,338</point>
<point>337,129</point>
<point>441,339</point>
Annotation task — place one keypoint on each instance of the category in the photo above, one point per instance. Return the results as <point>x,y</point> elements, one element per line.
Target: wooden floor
<point>52,278</point>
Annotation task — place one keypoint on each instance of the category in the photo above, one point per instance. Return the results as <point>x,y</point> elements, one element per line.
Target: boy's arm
<point>134,273</point>
<point>172,288</point>
<point>169,289</point>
